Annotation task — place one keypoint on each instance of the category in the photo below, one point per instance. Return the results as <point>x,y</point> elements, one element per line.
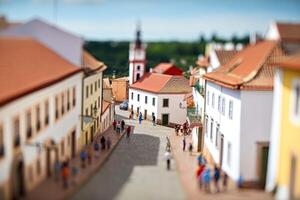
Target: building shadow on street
<point>138,150</point>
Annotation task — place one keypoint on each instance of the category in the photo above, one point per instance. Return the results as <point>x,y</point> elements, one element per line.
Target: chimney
<point>151,70</point>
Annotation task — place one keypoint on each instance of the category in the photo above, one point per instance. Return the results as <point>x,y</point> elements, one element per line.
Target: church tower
<point>137,58</point>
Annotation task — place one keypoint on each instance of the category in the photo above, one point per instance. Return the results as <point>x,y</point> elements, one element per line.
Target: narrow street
<point>136,169</point>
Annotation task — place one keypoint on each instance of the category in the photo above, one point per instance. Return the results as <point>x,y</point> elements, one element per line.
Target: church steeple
<point>137,57</point>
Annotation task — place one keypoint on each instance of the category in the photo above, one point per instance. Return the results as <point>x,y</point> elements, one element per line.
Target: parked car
<point>124,105</point>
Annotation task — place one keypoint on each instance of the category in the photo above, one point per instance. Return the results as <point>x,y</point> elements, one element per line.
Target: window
<point>99,83</point>
<point>28,124</point>
<point>297,99</point>
<point>207,98</point>
<point>68,100</point>
<point>86,91</point>
<point>138,67</point>
<point>146,99</point>
<point>223,106</point>
<point>138,97</point>
<point>153,101</point>
<point>211,129</point>
<point>91,89</point>
<point>217,135</point>
<point>62,103</point>
<point>206,125</point>
<point>16,132</point>
<point>228,153</point>
<point>47,112</point>
<point>74,96</point>
<point>213,100</point>
<point>95,86</point>
<point>1,142</point>
<point>230,113</point>
<point>165,102</point>
<point>56,108</point>
<point>38,166</point>
<point>98,102</point>
<point>91,110</point>
<point>219,103</point>
<point>38,118</point>
<point>131,95</point>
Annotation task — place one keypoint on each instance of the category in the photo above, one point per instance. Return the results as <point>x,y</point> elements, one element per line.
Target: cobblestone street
<point>136,169</point>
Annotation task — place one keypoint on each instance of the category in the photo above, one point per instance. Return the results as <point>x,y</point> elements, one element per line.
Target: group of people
<point>205,176</point>
<point>139,116</point>
<point>64,170</point>
<point>119,126</point>
<point>184,129</point>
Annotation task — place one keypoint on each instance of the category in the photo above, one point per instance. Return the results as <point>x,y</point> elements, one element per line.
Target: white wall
<point>255,127</point>
<point>272,32</point>
<point>214,61</point>
<point>65,44</point>
<point>55,129</point>
<point>230,128</point>
<point>275,132</point>
<point>177,115</point>
<point>136,58</point>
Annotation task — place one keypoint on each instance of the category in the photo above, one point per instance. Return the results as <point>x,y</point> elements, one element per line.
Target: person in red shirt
<point>199,173</point>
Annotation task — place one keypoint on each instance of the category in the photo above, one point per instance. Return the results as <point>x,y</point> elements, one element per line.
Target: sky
<point>183,20</point>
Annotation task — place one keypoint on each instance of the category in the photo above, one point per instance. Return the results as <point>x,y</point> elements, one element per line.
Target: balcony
<point>199,88</point>
<point>193,116</point>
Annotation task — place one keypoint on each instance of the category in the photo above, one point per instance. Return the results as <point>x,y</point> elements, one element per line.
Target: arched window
<point>137,76</point>
<point>138,67</point>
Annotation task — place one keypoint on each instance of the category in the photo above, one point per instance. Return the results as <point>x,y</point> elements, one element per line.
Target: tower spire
<point>138,41</point>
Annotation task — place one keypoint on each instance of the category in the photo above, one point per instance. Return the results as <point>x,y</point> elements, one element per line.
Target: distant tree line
<point>183,54</point>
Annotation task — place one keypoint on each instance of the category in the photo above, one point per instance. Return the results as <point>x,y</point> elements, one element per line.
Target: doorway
<point>145,114</point>
<point>91,133</point>
<point>293,177</point>
<point>73,144</point>
<point>262,162</point>
<point>48,161</point>
<point>221,150</point>
<point>86,138</point>
<point>18,180</point>
<point>137,111</point>
<point>165,119</point>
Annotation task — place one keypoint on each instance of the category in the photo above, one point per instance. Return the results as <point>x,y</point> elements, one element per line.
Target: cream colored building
<point>40,105</point>
<point>91,98</point>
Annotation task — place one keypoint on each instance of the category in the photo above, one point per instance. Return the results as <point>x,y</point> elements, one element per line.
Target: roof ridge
<point>171,77</point>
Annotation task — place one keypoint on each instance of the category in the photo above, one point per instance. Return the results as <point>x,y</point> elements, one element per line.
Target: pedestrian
<point>168,145</point>
<point>90,154</point>
<point>217,178</point>
<point>176,130</point>
<point>240,182</point>
<point>199,173</point>
<point>114,124</point>
<point>83,156</point>
<point>140,118</point>
<point>122,125</point>
<point>128,131</point>
<point>131,115</point>
<point>206,179</point>
<point>118,127</point>
<point>102,141</point>
<point>74,171</point>
<point>96,148</point>
<point>225,180</point>
<point>57,169</point>
<point>108,142</point>
<point>168,158</point>
<point>183,143</point>
<point>153,119</point>
<point>65,174</point>
<point>190,148</point>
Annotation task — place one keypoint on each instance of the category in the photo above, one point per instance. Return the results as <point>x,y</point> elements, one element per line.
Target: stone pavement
<point>187,165</point>
<point>52,189</point>
<point>136,169</point>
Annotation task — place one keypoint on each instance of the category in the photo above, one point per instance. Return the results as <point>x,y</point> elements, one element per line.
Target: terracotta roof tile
<point>162,83</point>
<point>289,62</point>
<point>105,105</point>
<point>225,55</point>
<point>92,63</point>
<point>26,66</point>
<point>289,32</point>
<point>249,69</point>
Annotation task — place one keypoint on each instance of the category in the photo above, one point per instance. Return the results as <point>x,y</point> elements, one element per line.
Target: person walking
<point>108,142</point>
<point>114,124</point>
<point>190,148</point>
<point>122,125</point>
<point>96,149</point>
<point>153,119</point>
<point>199,173</point>
<point>168,158</point>
<point>128,131</point>
<point>183,143</point>
<point>83,156</point>
<point>176,130</point>
<point>217,176</point>
<point>225,181</point>
<point>65,174</point>
<point>140,118</point>
<point>206,179</point>
<point>57,169</point>
<point>102,141</point>
<point>168,145</point>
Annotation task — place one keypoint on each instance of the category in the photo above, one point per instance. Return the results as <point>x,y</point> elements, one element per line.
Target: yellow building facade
<point>288,158</point>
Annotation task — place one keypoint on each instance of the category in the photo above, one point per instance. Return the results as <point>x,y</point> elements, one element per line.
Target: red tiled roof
<point>289,32</point>
<point>162,83</point>
<point>26,66</point>
<point>164,67</point>
<point>92,63</point>
<point>289,62</point>
<point>225,55</point>
<point>250,68</point>
<point>105,105</point>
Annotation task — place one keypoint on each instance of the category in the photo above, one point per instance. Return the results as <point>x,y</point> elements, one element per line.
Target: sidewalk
<point>186,167</point>
<point>51,189</point>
